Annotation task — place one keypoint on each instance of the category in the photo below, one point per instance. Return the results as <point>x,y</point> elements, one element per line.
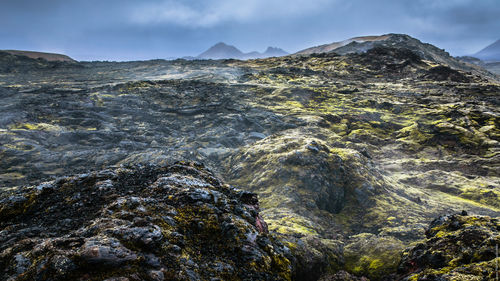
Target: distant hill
<point>426,51</point>
<point>274,52</point>
<point>490,53</point>
<point>491,66</point>
<point>365,43</point>
<point>224,51</point>
<point>40,55</point>
<point>23,61</point>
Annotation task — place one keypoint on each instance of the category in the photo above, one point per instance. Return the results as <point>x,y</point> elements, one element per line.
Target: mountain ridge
<point>222,50</point>
<point>332,46</point>
<point>426,51</point>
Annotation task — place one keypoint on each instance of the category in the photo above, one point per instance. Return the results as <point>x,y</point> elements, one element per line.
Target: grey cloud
<point>128,29</point>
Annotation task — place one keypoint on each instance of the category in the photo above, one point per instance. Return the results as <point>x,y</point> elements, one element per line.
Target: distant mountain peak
<point>272,49</point>
<point>221,45</point>
<point>274,52</point>
<point>222,50</point>
<point>490,53</point>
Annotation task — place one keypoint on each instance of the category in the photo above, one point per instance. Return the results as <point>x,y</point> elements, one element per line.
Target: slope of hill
<point>330,47</point>
<point>491,53</point>
<point>224,51</point>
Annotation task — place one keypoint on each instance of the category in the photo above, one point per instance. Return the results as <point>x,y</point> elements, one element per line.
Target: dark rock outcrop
<point>175,222</point>
<point>458,247</point>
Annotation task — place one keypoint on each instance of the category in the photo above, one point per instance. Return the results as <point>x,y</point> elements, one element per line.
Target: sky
<point>148,29</point>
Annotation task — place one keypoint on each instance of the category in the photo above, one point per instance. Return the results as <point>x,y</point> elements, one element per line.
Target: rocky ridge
<point>425,51</point>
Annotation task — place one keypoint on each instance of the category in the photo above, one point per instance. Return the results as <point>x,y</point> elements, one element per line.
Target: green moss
<point>18,208</point>
<point>35,127</point>
<point>291,225</point>
<point>372,256</point>
<point>413,134</point>
<point>481,195</point>
<point>282,265</point>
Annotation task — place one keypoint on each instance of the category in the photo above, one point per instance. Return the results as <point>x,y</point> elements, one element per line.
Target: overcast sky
<point>146,29</point>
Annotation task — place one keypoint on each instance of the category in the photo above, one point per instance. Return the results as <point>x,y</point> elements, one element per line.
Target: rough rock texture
<point>458,247</point>
<point>342,276</point>
<point>175,222</point>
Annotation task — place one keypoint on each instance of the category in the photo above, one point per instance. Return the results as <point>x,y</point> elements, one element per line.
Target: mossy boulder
<point>305,183</point>
<point>173,222</point>
<point>373,256</point>
<point>298,171</point>
<point>458,247</point>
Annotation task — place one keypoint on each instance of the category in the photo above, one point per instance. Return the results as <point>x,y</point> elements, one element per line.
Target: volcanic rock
<point>175,222</point>
<point>458,247</point>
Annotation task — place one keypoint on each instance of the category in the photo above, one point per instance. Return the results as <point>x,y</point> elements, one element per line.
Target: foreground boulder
<point>458,247</point>
<point>175,222</point>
